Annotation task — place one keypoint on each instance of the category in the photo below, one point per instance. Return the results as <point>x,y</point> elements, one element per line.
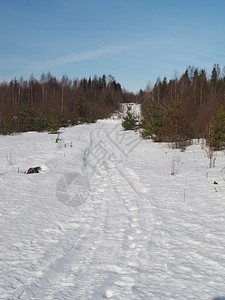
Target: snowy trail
<point>129,219</point>
<point>122,229</point>
<point>104,257</point>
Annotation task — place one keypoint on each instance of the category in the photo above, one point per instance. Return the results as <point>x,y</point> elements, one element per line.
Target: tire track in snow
<point>74,272</point>
<point>107,257</point>
<point>139,214</point>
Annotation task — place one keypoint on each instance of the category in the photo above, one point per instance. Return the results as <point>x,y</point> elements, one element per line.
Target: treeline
<point>49,103</point>
<point>191,106</point>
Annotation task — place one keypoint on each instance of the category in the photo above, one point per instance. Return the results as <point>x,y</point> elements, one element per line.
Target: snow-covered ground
<point>105,219</point>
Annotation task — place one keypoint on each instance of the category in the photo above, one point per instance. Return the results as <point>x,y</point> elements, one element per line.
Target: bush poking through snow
<point>175,164</point>
<point>57,139</point>
<point>11,161</point>
<point>211,157</point>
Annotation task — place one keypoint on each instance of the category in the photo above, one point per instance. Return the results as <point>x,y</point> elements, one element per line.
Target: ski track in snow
<point>133,237</point>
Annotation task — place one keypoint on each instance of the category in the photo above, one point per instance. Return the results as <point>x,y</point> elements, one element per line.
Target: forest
<point>185,108</point>
<point>49,103</point>
<point>191,106</point>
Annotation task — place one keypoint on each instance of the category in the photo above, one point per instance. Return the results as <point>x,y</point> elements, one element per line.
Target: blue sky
<point>134,40</point>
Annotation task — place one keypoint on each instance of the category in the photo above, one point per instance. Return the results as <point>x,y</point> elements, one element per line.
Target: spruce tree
<point>25,119</point>
<point>40,123</point>
<point>216,137</point>
<point>175,126</point>
<point>130,119</point>
<point>54,124</point>
<point>153,121</point>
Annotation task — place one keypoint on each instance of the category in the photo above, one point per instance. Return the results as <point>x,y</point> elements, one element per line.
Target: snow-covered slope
<point>106,219</point>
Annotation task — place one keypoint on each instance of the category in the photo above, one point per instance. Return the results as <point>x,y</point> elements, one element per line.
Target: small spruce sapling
<point>130,120</point>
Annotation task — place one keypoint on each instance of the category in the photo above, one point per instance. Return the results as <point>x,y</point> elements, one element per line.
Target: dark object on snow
<point>215,182</point>
<point>34,170</point>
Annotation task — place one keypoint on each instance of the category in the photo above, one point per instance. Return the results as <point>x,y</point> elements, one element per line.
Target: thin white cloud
<point>88,55</point>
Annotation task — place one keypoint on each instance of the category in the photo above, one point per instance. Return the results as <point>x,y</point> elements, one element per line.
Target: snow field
<point>105,219</point>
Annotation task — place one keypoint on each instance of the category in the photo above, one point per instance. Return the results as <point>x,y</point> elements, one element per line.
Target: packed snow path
<point>104,255</point>
<point>105,219</point>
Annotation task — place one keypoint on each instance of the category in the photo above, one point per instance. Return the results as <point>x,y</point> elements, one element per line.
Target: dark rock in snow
<point>34,170</point>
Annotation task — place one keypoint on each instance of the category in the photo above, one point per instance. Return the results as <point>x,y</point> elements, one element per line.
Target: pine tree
<point>216,138</point>
<point>153,121</point>
<point>40,123</point>
<point>175,127</point>
<point>25,119</point>
<point>130,120</point>
<point>215,76</point>
<point>54,124</point>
